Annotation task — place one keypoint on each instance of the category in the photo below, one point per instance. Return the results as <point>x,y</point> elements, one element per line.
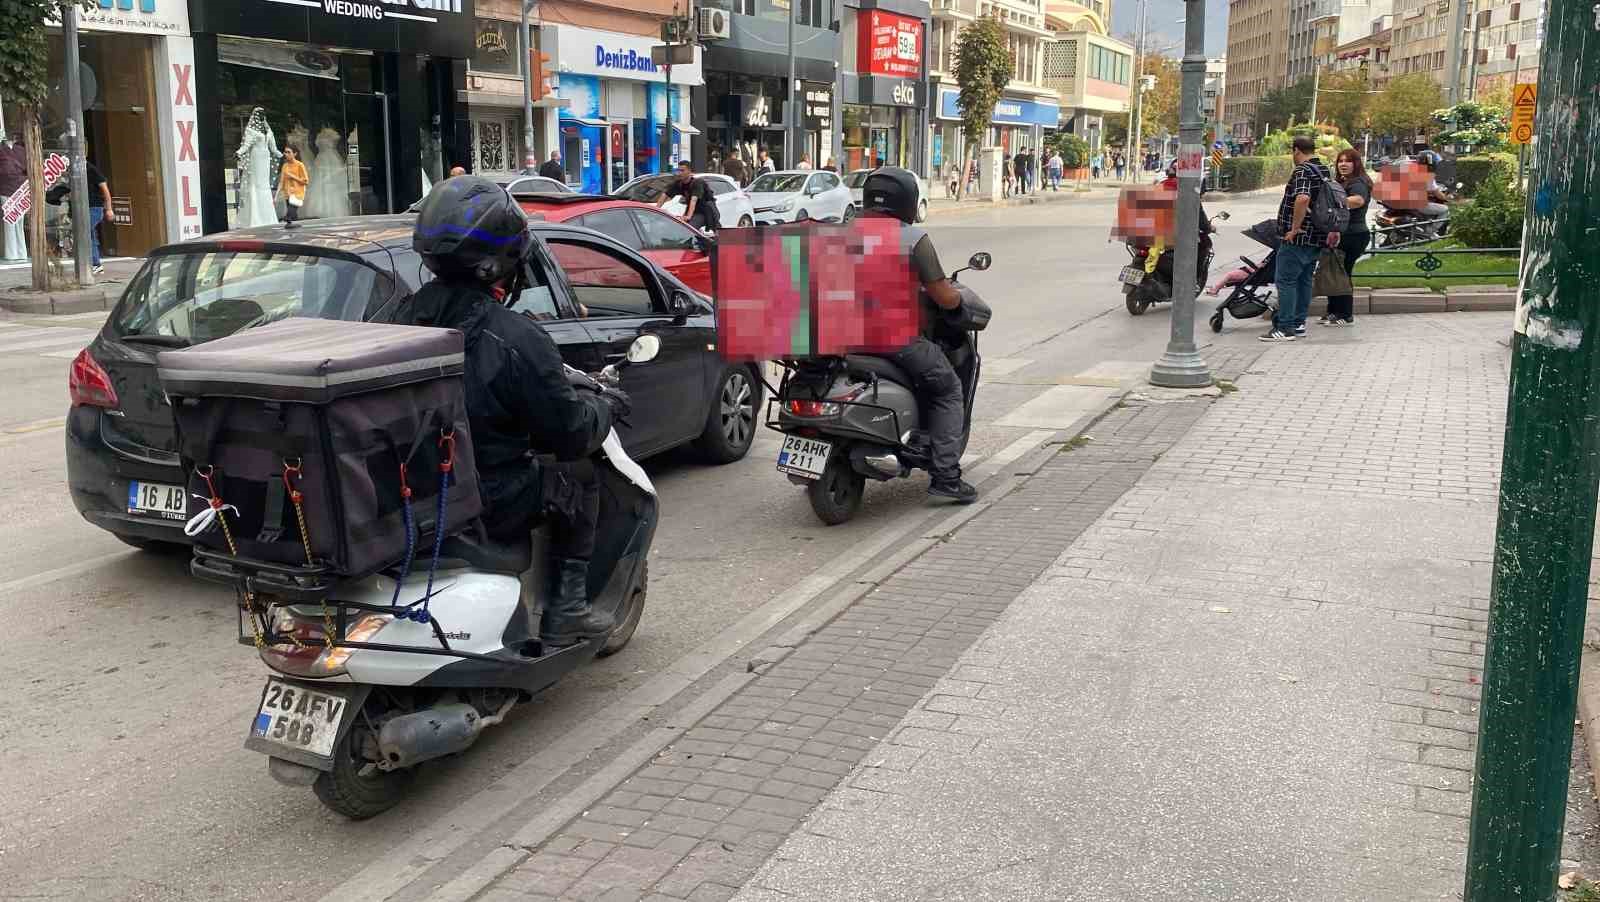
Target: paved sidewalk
<point>1256,677</point>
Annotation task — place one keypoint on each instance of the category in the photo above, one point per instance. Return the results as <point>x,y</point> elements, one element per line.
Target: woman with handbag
<point>292,182</point>
<point>1353,241</point>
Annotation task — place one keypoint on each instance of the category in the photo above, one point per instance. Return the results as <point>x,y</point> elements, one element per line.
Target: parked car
<point>733,203</point>
<point>857,178</point>
<point>668,241</point>
<point>535,184</point>
<point>800,194</point>
<point>591,293</point>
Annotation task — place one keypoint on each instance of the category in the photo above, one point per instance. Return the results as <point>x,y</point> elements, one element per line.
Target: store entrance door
<point>367,116</point>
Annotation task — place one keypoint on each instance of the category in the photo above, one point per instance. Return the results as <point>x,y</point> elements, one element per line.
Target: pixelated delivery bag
<point>348,415</point>
<point>806,290</point>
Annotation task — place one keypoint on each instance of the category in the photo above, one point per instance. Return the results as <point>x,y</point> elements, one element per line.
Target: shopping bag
<point>1331,280</point>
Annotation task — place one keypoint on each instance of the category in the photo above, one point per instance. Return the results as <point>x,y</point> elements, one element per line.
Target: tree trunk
<point>33,143</point>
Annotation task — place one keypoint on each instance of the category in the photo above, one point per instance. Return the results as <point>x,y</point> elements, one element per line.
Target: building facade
<point>883,85</point>
<point>1257,61</point>
<point>1421,37</point>
<point>1505,42</point>
<point>1213,96</point>
<point>1368,54</point>
<point>1090,72</point>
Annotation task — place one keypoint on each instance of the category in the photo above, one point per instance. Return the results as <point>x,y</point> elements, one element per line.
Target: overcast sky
<point>1164,27</point>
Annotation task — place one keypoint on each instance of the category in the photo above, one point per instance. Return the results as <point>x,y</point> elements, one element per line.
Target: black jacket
<point>553,170</point>
<point>518,397</point>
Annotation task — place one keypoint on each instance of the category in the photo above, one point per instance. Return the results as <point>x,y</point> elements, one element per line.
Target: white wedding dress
<point>329,193</point>
<point>255,157</point>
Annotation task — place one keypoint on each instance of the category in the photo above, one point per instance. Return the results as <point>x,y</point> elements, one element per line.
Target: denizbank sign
<point>609,54</point>
<point>439,28</point>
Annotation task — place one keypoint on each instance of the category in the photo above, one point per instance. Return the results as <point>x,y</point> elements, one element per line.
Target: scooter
<point>1142,287</point>
<point>364,689</point>
<point>848,419</point>
<point>1396,228</point>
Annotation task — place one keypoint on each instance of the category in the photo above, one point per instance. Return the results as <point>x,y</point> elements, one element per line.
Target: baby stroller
<point>1253,291</point>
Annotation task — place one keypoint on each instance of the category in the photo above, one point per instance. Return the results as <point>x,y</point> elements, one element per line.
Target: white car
<point>859,177</point>
<point>733,203</point>
<point>785,196</point>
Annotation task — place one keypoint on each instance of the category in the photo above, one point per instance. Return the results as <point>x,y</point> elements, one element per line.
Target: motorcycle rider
<point>474,238</point>
<point>1438,197</point>
<point>893,192</point>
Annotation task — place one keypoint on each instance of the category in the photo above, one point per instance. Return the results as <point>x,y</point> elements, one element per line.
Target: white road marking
<point>60,573</point>
<point>1058,408</point>
<point>29,339</point>
<point>67,354</point>
<point>1003,366</point>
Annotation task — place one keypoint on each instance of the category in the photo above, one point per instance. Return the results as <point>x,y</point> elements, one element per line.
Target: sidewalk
<point>1230,649</point>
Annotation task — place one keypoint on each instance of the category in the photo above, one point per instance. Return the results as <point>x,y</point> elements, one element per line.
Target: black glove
<point>621,406</point>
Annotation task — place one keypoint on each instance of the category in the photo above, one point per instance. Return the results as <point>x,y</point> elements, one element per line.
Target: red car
<point>665,239</point>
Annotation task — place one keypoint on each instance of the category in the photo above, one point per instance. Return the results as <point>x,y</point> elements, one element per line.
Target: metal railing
<point>1429,265</point>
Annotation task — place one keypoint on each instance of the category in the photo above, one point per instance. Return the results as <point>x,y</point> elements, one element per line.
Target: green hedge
<point>1472,171</point>
<point>1250,173</point>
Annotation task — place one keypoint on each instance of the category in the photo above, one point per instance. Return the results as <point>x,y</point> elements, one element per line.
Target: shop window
<point>496,48</point>
<point>605,283</point>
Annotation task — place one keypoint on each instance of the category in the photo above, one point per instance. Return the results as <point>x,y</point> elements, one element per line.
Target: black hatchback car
<point>590,293</point>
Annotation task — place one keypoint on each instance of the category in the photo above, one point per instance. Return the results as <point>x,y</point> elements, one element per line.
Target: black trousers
<point>939,389</point>
<point>1352,245</point>
<point>572,500</point>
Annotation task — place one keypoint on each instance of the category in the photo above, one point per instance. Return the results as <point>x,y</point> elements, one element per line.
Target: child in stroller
<point>1253,292</point>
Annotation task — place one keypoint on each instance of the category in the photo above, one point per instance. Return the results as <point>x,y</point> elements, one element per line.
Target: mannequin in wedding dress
<point>329,194</point>
<point>257,156</point>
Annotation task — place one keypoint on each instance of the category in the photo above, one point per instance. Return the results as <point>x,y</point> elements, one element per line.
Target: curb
<point>78,300</point>
<point>1589,710</point>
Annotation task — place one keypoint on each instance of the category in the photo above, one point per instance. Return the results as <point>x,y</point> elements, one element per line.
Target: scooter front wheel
<point>352,793</point>
<point>837,495</point>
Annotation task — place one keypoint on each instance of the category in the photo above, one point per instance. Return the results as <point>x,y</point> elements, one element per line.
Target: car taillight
<point>89,384</point>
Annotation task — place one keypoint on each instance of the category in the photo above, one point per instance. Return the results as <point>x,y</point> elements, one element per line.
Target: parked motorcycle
<point>1142,287</point>
<point>849,419</point>
<point>363,689</point>
<point>1396,228</point>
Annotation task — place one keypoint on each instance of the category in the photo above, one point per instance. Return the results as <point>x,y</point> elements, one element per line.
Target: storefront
<point>617,106</point>
<point>366,91</point>
<point>135,73</point>
<point>1017,123</point>
<point>885,101</point>
<point>495,96</point>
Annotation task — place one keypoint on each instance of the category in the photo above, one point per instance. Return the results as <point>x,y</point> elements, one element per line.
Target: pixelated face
<point>1403,185</point>
<point>1145,213</point>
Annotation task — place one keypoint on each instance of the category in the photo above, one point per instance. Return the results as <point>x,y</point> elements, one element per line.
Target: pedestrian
<point>1095,164</point>
<point>99,200</point>
<point>805,163</point>
<point>1122,166</point>
<point>1008,186</point>
<point>552,168</point>
<point>1055,167</point>
<point>1353,240</point>
<point>734,168</point>
<point>292,182</point>
<point>1301,242</point>
<point>766,164</point>
<point>833,166</point>
<point>457,170</point>
<point>1016,174</point>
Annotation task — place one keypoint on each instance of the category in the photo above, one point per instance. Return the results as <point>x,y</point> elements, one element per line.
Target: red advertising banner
<point>890,45</point>
<point>798,291</point>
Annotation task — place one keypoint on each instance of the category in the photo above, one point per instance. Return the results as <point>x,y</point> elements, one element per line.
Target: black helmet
<point>891,190</point>
<point>1429,159</point>
<point>469,227</point>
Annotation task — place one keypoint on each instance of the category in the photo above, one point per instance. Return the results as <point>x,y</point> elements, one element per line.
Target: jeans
<point>1297,264</point>
<point>1352,245</point>
<point>97,215</point>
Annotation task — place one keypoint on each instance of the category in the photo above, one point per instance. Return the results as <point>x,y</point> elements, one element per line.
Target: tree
<point>1283,106</point>
<point>1116,132</point>
<point>1159,115</point>
<point>24,85</point>
<point>1479,125</point>
<point>1342,100</point>
<point>1406,106</point>
<point>1073,149</point>
<point>983,69</point>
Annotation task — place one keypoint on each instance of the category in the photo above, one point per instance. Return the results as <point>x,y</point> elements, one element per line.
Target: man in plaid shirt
<point>1302,242</point>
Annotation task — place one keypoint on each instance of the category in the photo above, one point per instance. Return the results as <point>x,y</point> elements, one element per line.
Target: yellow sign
<point>1524,100</point>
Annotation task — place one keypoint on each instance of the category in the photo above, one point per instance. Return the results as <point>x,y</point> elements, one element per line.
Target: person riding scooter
<point>1438,197</point>
<point>893,192</point>
<point>474,238</point>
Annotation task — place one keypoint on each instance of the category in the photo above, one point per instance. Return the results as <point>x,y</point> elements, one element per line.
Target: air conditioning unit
<point>714,23</point>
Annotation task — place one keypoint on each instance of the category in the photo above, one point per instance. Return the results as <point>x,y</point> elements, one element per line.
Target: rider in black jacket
<point>474,238</point>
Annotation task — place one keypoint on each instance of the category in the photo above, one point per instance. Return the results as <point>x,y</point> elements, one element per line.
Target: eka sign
<point>889,44</point>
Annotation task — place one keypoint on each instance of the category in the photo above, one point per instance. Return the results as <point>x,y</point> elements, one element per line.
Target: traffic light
<point>539,74</point>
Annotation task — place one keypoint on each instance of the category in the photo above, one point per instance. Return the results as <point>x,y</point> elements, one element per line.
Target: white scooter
<point>364,689</point>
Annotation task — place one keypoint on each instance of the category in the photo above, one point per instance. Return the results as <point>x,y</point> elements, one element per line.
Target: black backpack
<point>1329,212</point>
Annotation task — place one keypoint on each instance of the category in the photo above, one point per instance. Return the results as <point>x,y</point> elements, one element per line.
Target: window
<point>603,282</point>
<point>496,49</point>
<point>615,224</point>
<point>744,7</point>
<point>663,233</point>
<point>536,300</point>
<point>721,186</point>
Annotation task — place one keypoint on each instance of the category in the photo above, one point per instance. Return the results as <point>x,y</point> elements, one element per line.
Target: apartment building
<point>1301,28</point>
<point>1026,107</point>
<point>1090,71</point>
<point>1213,92</point>
<point>1257,61</point>
<point>1505,41</point>
<point>1369,53</point>
<point>1421,37</point>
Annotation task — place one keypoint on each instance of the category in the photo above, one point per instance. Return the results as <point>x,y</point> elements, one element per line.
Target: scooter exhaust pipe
<point>433,733</point>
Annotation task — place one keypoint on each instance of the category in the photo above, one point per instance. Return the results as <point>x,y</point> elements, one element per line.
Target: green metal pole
<point>1551,472</point>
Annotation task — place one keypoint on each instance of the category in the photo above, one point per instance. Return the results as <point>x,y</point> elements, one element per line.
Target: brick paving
<point>699,819</point>
<point>1255,676</point>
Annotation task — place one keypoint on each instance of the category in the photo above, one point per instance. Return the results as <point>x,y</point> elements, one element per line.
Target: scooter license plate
<point>803,456</point>
<point>295,717</point>
<point>1131,275</point>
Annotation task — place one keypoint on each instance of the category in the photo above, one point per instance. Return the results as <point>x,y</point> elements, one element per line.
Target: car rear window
<point>778,183</point>
<point>203,296</point>
<point>646,191</point>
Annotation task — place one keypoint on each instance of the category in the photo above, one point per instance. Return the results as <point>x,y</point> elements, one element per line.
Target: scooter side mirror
<point>980,261</point>
<point>644,349</point>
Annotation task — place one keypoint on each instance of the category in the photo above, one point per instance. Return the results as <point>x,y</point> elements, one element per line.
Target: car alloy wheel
<point>737,409</point>
<point>746,222</point>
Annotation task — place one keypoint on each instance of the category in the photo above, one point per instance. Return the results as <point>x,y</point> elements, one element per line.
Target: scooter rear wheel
<point>1136,306</point>
<point>358,797</point>
<point>837,495</point>
<point>629,621</point>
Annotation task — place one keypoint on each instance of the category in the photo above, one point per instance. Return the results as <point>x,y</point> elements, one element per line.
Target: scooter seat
<point>881,367</point>
<point>514,557</point>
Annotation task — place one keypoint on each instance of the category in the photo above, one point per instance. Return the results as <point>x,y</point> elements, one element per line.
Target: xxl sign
<point>889,44</point>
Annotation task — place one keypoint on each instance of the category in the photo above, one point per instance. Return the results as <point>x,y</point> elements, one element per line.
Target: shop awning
<point>685,129</point>
<point>597,123</point>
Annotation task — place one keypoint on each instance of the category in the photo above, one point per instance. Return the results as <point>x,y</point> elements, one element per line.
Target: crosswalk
<point>59,337</point>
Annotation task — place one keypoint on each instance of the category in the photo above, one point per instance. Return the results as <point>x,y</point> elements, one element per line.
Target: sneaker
<point>97,270</point>
<point>1327,321</point>
<point>1342,322</point>
<point>956,490</point>
<point>1277,335</point>
<point>1300,331</point>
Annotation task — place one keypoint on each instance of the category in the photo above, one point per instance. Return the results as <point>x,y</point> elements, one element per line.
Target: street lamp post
<point>530,159</point>
<point>78,178</point>
<point>1182,366</point>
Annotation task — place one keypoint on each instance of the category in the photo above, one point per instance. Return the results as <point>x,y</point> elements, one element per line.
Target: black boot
<point>569,618</point>
<point>956,489</point>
